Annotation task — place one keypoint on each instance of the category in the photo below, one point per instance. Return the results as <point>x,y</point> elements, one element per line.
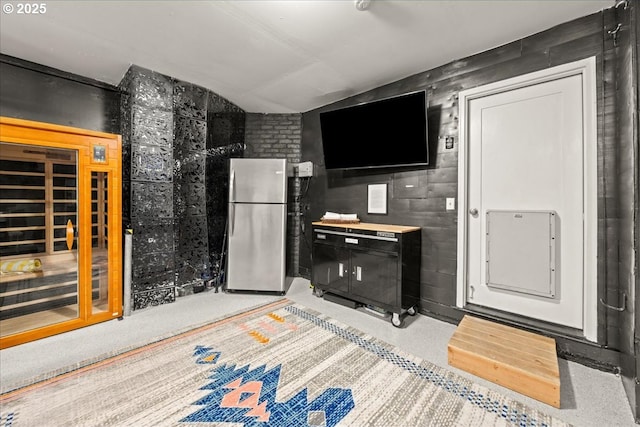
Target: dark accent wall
<point>177,139</point>
<point>34,92</point>
<point>635,21</point>
<point>424,205</point>
<point>624,214</point>
<point>225,139</point>
<point>626,102</point>
<point>278,136</point>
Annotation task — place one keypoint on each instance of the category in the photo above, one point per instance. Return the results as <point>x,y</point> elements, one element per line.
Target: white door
<point>526,154</point>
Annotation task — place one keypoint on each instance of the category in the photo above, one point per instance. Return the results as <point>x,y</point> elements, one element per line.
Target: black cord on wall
<point>303,208</point>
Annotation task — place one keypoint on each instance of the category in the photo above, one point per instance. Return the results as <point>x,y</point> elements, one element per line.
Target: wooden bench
<point>519,360</point>
<point>57,279</point>
<point>51,265</point>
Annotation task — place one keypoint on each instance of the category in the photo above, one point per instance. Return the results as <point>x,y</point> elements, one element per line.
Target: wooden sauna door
<point>60,229</point>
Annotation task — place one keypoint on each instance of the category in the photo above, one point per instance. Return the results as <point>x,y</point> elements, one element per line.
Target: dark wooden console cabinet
<point>369,264</point>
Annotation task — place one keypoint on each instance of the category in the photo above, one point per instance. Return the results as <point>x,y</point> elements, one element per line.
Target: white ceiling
<point>274,56</point>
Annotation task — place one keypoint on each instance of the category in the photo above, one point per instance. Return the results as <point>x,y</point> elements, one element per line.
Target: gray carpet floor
<point>588,397</point>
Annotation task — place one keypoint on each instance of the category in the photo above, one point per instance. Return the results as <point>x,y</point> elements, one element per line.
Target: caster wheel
<point>318,292</point>
<point>412,311</point>
<point>396,320</point>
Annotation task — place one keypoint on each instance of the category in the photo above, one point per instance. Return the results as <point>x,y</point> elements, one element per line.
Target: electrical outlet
<point>451,203</point>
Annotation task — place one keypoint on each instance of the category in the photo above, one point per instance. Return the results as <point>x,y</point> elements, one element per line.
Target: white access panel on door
<point>521,252</point>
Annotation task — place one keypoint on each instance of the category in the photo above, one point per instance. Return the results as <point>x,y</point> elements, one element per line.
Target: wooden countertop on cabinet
<point>369,226</point>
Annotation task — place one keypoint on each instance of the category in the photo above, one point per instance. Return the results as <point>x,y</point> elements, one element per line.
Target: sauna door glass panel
<point>99,242</point>
<point>38,237</point>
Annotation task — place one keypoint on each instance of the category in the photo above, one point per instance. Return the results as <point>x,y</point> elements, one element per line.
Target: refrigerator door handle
<point>232,186</point>
<point>232,220</point>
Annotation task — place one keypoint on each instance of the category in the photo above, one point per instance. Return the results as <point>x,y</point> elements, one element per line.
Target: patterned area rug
<point>278,365</point>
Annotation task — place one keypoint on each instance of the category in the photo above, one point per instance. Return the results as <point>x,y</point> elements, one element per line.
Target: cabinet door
<point>374,276</point>
<point>331,267</point>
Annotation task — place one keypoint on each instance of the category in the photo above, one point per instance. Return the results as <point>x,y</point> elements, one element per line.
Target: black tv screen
<point>385,133</point>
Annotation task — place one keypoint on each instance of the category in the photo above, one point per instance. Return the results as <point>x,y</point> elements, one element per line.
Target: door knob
<point>473,211</point>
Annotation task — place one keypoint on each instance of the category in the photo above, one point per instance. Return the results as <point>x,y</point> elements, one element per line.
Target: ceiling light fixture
<point>362,5</point>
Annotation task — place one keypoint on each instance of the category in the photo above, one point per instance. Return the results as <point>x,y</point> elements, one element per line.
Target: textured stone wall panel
<point>190,100</point>
<point>153,265</point>
<point>191,168</point>
<point>152,239</point>
<point>175,180</point>
<point>151,163</point>
<point>151,200</point>
<point>190,135</point>
<point>151,126</point>
<point>153,298</point>
<point>150,88</point>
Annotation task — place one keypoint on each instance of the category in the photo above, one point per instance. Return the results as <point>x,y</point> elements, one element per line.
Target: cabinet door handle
<point>357,271</point>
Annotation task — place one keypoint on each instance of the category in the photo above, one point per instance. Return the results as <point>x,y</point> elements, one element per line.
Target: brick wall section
<point>273,136</point>
<point>278,136</point>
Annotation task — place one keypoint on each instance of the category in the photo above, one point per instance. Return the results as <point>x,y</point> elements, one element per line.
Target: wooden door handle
<point>69,234</point>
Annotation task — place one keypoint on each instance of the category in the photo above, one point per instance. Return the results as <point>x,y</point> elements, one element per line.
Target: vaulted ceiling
<point>273,56</point>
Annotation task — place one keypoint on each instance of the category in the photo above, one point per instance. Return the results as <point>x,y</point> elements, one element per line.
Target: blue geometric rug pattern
<point>248,396</point>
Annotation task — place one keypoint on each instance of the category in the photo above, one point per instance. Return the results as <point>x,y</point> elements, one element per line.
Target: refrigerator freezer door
<point>256,254</point>
<point>258,181</point>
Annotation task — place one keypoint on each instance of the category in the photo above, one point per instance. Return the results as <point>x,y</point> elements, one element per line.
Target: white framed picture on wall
<point>377,199</point>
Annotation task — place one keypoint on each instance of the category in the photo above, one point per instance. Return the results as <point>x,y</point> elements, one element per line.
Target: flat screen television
<point>391,132</point>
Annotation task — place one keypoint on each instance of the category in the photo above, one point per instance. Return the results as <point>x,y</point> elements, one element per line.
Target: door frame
<point>586,68</point>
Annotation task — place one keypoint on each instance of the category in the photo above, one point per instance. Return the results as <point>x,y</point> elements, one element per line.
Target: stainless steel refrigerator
<point>257,227</point>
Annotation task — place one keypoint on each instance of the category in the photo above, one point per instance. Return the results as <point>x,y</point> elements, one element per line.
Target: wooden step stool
<point>519,360</point>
